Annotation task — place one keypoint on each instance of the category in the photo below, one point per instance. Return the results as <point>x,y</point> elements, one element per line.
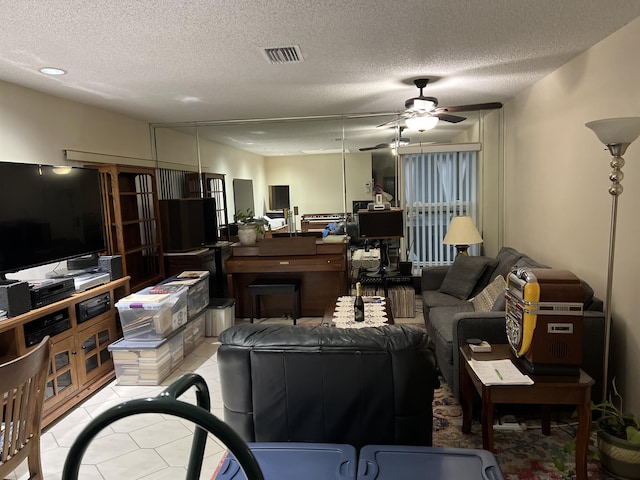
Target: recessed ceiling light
<point>52,71</point>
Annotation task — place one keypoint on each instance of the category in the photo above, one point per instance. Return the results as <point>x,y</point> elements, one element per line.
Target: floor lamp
<point>617,134</point>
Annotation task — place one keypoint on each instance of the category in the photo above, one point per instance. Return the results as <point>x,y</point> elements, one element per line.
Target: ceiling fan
<point>422,112</point>
<point>393,144</point>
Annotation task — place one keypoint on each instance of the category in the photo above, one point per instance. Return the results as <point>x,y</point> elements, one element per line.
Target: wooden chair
<point>22,387</point>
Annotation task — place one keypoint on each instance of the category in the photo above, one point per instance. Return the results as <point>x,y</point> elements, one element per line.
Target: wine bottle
<point>358,305</point>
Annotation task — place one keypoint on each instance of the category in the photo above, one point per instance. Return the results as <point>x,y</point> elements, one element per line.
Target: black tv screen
<point>47,215</point>
<point>380,224</point>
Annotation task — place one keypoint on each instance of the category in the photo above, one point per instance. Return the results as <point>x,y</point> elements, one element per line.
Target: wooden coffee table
<point>328,313</point>
<point>547,390</point>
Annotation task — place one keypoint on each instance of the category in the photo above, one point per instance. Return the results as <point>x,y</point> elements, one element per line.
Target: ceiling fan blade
<point>390,122</point>
<point>471,108</point>
<point>377,147</point>
<point>449,118</point>
<point>401,117</point>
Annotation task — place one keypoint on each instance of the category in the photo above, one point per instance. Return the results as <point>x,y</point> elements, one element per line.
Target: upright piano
<point>322,268</point>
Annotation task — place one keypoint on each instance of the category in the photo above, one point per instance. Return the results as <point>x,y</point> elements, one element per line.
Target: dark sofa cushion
<point>463,275</point>
<point>506,258</point>
<point>434,298</point>
<point>441,327</point>
<point>528,262</point>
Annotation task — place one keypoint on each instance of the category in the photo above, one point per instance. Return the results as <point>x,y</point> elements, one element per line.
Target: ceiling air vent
<point>278,55</point>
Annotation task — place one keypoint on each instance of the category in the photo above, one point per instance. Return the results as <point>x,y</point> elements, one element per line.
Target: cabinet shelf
<point>131,209</point>
<point>80,361</point>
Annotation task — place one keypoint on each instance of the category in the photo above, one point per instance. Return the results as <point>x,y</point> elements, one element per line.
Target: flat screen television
<point>47,215</point>
<point>380,224</point>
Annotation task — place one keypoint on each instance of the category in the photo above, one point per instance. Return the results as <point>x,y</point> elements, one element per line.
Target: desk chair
<point>22,386</point>
<point>167,403</point>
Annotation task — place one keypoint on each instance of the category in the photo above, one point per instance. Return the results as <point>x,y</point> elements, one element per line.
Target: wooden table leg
<point>582,438</point>
<point>466,399</point>
<point>545,419</point>
<point>487,420</point>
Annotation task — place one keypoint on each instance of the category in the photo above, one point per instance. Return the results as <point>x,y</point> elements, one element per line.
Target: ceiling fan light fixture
<point>422,122</point>
<point>425,104</point>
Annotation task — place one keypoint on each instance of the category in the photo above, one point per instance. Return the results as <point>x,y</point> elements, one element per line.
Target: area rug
<point>521,455</point>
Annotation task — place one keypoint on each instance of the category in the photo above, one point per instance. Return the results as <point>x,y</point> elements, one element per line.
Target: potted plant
<point>618,437</point>
<point>249,229</point>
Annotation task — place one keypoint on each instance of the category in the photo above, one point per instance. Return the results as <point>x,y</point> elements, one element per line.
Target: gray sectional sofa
<point>451,319</point>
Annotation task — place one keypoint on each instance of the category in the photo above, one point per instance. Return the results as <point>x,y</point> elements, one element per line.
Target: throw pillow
<point>484,301</point>
<point>463,275</point>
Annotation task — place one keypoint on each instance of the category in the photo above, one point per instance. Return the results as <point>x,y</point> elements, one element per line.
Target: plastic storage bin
<point>146,362</point>
<point>148,316</point>
<point>295,461</point>
<point>197,283</point>
<point>194,333</point>
<point>221,315</point>
<point>391,462</point>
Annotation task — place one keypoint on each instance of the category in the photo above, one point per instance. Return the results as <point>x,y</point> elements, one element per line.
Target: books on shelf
<point>499,372</point>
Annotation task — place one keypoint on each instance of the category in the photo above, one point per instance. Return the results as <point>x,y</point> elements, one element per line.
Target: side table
<point>547,390</point>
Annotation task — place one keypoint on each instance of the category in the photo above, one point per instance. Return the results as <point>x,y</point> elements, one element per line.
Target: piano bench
<point>274,287</point>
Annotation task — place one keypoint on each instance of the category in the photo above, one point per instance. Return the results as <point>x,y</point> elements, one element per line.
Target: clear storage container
<point>153,316</point>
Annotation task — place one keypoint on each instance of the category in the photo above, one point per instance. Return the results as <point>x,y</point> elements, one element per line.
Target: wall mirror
<point>328,162</point>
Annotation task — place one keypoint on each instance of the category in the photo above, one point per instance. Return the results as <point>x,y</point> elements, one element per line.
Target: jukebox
<point>544,320</point>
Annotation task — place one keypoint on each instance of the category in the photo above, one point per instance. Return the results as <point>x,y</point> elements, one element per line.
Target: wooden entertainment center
<point>80,361</point>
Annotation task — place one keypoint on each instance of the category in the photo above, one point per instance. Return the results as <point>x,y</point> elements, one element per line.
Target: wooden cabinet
<point>323,277</point>
<point>202,259</point>
<point>131,211</point>
<point>80,359</point>
<point>62,381</point>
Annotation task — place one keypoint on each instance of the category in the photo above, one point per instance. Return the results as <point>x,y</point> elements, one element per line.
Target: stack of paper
<point>499,372</point>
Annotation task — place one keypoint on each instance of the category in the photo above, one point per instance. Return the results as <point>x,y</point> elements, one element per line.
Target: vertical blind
<point>438,186</point>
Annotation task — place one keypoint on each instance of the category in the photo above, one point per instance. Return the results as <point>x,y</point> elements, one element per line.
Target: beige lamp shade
<point>616,130</point>
<point>462,233</point>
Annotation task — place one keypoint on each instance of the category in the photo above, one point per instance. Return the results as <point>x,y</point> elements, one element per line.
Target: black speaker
<point>210,221</point>
<point>111,264</point>
<point>182,225</point>
<point>82,263</point>
<point>15,297</point>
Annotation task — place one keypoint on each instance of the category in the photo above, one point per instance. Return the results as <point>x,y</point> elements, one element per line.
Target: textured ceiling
<point>202,60</point>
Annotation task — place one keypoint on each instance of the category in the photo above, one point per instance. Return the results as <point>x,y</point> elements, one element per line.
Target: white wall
<point>36,128</point>
<point>556,180</point>
<point>316,181</point>
<point>178,149</point>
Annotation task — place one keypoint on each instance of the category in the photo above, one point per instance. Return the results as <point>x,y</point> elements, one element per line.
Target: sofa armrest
<point>488,326</point>
<point>432,277</point>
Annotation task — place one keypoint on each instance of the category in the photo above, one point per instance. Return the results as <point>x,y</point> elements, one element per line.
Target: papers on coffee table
<point>375,313</point>
<point>499,372</point>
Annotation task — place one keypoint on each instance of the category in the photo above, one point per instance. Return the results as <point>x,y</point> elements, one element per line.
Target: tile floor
<point>145,446</point>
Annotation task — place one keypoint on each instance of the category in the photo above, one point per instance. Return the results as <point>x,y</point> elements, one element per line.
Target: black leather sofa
<point>325,384</point>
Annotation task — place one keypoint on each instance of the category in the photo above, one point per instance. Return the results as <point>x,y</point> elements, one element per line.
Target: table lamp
<point>462,233</point>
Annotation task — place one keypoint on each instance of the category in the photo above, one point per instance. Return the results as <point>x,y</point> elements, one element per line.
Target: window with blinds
<point>438,186</point>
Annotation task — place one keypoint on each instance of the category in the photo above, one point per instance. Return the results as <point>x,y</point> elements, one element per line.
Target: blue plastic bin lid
<point>392,462</point>
<point>221,302</point>
<point>296,461</point>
